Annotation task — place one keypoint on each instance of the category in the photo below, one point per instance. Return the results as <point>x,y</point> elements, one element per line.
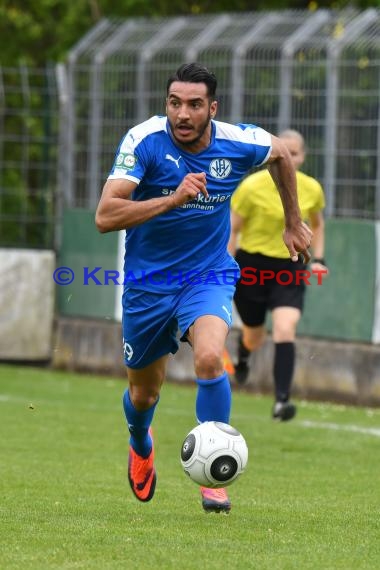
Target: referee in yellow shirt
<point>257,224</point>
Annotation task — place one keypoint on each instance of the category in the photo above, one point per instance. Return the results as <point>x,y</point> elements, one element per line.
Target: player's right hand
<point>298,239</point>
<point>193,184</point>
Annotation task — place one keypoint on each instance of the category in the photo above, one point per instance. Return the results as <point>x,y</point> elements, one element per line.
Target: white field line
<point>338,427</point>
<point>172,411</point>
<point>4,398</point>
<point>303,423</point>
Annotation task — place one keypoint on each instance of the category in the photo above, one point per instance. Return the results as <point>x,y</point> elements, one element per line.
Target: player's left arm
<point>297,235</point>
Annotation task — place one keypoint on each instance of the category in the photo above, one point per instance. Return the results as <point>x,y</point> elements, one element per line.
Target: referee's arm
<point>236,227</point>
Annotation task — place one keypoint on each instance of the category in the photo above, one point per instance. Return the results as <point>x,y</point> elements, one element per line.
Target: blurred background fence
<point>317,72</point>
<point>29,127</point>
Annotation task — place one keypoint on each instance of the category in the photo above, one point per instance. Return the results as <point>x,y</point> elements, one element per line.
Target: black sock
<point>283,369</point>
<point>243,352</point>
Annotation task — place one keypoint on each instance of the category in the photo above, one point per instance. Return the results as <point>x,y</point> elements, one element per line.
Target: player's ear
<point>213,109</point>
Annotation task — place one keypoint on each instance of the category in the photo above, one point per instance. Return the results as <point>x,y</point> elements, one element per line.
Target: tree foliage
<point>37,31</point>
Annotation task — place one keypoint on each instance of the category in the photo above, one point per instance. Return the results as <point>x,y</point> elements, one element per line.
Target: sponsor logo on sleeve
<point>126,160</point>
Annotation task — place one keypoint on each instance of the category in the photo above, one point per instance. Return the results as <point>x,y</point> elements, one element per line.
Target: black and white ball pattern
<point>214,454</point>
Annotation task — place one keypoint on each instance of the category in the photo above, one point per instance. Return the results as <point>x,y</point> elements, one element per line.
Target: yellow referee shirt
<point>258,202</point>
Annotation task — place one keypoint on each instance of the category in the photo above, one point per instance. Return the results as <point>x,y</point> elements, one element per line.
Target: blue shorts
<point>151,320</point>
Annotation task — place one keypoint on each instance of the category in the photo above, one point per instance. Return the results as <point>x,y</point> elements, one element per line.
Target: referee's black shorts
<point>267,283</point>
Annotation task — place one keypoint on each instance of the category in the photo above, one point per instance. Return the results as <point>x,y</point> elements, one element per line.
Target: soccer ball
<point>214,454</point>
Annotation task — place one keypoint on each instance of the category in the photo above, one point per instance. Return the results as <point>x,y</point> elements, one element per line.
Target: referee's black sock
<point>283,369</point>
<point>243,352</point>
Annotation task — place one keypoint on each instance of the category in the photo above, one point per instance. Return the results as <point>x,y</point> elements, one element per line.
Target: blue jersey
<point>191,239</point>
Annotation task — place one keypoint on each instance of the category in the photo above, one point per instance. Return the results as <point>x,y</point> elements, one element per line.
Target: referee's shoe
<point>283,411</point>
<point>242,365</point>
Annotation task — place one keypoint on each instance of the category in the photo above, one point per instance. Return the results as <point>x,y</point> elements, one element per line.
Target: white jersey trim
<point>266,157</point>
<point>124,177</point>
<point>250,135</point>
<point>136,134</point>
<point>126,159</point>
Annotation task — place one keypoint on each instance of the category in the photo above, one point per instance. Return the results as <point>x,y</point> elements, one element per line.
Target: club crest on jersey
<point>220,168</point>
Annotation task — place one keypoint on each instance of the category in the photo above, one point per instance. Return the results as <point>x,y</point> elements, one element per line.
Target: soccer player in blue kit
<point>170,189</point>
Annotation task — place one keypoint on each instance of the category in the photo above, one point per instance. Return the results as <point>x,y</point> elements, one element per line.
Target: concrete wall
<point>26,304</point>
<point>336,371</point>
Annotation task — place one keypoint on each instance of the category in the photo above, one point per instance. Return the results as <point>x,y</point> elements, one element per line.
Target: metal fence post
<point>334,49</point>
<point>377,185</point>
<point>207,36</point>
<point>70,126</point>
<point>96,110</point>
<point>63,99</point>
<point>313,23</point>
<point>258,31</point>
<point>146,54</point>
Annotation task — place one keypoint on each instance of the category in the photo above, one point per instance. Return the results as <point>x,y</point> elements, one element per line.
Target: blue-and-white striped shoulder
<point>246,134</point>
<point>136,134</point>
<point>126,164</point>
<point>250,134</point>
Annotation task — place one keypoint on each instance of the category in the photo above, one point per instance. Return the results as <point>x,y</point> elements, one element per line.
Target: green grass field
<point>309,499</point>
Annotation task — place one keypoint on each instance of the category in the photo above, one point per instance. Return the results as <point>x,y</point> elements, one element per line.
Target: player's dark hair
<point>194,73</point>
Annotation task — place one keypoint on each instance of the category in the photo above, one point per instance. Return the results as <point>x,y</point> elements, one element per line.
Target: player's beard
<point>200,132</point>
